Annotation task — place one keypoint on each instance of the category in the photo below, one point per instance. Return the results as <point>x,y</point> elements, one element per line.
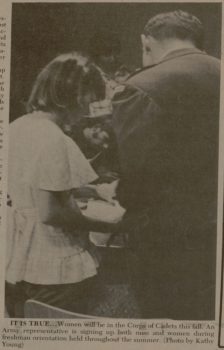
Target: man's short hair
<point>177,24</point>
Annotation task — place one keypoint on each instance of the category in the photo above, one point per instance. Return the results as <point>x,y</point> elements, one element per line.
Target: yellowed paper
<point>32,33</point>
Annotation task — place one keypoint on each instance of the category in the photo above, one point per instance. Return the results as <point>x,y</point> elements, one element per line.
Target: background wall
<point>40,31</point>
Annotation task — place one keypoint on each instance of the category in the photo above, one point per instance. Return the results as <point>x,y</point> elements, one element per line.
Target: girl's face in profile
<point>88,98</point>
<point>81,111</point>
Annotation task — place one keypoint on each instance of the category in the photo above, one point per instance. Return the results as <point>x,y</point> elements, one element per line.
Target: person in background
<point>166,122</point>
<point>49,254</point>
<point>104,50</point>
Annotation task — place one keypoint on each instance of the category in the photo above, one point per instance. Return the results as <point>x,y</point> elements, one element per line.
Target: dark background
<point>40,31</point>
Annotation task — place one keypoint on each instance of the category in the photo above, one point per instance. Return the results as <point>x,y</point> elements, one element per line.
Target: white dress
<point>41,156</point>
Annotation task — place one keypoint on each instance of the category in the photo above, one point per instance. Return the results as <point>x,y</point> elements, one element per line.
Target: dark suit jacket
<point>166,123</point>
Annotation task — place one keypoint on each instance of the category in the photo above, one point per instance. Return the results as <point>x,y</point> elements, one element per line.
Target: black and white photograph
<point>112,197</point>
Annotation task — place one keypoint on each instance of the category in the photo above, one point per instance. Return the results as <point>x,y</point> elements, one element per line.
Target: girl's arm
<point>60,209</point>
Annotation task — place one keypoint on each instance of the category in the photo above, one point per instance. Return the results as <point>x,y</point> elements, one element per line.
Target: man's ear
<point>146,42</point>
<point>147,59</point>
<point>143,40</point>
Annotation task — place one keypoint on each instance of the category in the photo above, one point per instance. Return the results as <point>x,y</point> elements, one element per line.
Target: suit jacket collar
<point>181,52</point>
<point>169,56</point>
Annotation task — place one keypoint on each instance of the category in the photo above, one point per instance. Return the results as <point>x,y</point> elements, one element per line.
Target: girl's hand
<point>107,191</point>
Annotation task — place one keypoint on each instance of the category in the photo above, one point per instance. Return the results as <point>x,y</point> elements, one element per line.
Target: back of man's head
<point>176,25</point>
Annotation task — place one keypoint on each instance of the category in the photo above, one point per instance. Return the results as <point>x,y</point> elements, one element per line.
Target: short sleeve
<point>80,169</point>
<point>62,166</point>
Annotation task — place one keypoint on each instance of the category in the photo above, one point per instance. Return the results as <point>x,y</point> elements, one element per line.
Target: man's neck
<point>170,46</point>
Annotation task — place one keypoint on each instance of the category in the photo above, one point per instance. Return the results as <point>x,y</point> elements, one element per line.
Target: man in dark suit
<point>166,123</point>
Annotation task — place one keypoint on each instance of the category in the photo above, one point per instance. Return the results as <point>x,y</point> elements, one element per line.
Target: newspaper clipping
<point>111,175</point>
